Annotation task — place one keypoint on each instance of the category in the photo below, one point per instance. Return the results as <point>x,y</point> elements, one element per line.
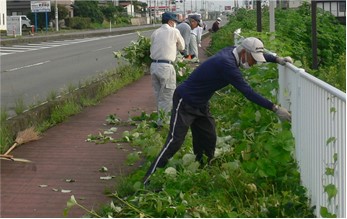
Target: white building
<point>3,15</point>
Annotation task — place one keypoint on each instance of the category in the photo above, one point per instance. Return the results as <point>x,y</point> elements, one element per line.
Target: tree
<point>62,11</point>
<point>88,9</point>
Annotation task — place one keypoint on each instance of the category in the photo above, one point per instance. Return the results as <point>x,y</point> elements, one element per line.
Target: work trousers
<point>203,130</point>
<point>164,84</point>
<point>193,45</point>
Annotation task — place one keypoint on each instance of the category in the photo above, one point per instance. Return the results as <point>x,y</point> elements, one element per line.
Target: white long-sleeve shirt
<point>198,33</point>
<point>164,43</point>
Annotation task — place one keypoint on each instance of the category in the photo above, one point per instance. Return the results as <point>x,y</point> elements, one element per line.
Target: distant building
<point>18,7</point>
<point>335,7</point>
<point>3,15</point>
<point>23,7</point>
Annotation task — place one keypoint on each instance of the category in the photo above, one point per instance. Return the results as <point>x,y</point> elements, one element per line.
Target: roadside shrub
<point>122,20</point>
<point>137,53</point>
<point>293,38</point>
<point>78,22</point>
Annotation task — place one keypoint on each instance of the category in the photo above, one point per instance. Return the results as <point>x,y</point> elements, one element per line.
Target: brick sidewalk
<point>62,153</point>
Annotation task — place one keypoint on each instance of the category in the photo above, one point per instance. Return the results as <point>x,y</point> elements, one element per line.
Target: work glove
<point>282,113</point>
<point>283,61</point>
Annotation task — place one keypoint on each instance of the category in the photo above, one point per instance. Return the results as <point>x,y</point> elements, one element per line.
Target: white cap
<point>219,19</point>
<point>255,47</point>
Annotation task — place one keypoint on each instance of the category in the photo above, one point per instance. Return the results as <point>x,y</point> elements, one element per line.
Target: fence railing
<point>319,128</point>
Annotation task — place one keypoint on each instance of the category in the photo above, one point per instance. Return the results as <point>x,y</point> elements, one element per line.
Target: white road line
<point>27,66</point>
<point>29,46</point>
<point>45,45</point>
<point>11,48</point>
<point>109,47</point>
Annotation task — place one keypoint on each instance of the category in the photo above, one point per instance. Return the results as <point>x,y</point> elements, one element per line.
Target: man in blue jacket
<point>191,99</point>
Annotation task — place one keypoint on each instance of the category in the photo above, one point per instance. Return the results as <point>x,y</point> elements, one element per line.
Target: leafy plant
<point>137,53</point>
<point>60,113</point>
<point>241,181</point>
<point>293,38</point>
<point>19,106</point>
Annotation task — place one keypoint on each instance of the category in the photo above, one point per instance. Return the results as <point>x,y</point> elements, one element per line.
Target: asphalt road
<point>31,72</point>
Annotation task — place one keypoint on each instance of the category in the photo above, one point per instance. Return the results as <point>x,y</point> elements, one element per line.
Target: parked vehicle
<point>26,23</point>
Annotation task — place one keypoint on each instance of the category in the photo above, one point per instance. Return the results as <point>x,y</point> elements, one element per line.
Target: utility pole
<point>314,34</point>
<point>131,8</point>
<point>259,15</point>
<point>56,16</point>
<point>272,15</point>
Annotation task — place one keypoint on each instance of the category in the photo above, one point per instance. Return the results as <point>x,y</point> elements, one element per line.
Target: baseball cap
<point>255,47</point>
<point>196,18</point>
<point>219,19</point>
<point>166,16</point>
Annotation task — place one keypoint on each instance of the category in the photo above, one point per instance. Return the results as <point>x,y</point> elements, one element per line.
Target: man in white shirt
<point>164,44</point>
<point>195,42</point>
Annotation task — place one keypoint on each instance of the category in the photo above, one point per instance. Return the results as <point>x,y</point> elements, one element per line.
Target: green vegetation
<point>19,105</point>
<point>137,53</point>
<point>293,38</point>
<point>90,14</point>
<point>253,173</point>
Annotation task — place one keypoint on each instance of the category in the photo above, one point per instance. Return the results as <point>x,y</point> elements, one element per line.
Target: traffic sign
<point>40,6</point>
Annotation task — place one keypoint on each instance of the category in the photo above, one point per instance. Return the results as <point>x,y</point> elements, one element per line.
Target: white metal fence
<point>319,128</point>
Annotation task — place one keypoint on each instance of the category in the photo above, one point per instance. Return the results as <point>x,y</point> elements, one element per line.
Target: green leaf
<point>231,165</point>
<point>329,171</point>
<point>132,158</point>
<point>333,110</point>
<point>193,167</point>
<point>117,209</point>
<point>103,169</point>
<point>159,206</point>
<point>335,157</point>
<point>331,190</point>
<point>71,202</point>
<point>266,168</point>
<point>331,140</point>
<point>325,213</point>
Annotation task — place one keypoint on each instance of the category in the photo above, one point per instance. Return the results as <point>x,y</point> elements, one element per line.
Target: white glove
<point>199,45</point>
<point>283,61</point>
<point>282,113</point>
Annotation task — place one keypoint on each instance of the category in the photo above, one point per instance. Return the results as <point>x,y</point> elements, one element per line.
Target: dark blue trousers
<point>183,117</point>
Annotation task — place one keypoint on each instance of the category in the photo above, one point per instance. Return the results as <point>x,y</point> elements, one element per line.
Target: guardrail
<point>319,128</point>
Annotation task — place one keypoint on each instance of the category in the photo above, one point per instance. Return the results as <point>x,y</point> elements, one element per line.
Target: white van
<point>26,23</point>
